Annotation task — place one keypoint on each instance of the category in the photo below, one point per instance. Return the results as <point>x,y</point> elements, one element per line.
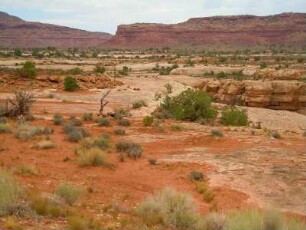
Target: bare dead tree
<point>103,103</point>
<point>20,105</point>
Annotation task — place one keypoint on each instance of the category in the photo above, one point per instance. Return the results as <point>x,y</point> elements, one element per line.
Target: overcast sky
<point>105,15</point>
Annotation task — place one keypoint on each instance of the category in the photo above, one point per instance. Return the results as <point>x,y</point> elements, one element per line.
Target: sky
<point>106,15</point>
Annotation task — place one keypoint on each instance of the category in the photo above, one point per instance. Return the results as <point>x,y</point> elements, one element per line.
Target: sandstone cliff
<point>15,32</point>
<point>216,32</point>
<point>283,95</point>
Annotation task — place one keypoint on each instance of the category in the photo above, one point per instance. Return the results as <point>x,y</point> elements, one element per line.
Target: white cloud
<point>105,15</point>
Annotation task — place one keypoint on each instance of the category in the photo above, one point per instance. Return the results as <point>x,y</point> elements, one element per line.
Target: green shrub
<point>74,71</point>
<point>75,121</point>
<point>69,192</point>
<point>5,128</point>
<point>27,170</point>
<point>221,75</point>
<point>148,120</point>
<point>76,134</point>
<point>124,122</point>
<point>103,122</point>
<point>139,104</point>
<point>28,70</point>
<point>91,157</point>
<point>12,223</point>
<point>102,143</point>
<point>249,219</point>
<point>132,150</point>
<point>189,105</point>
<point>196,176</point>
<point>27,132</point>
<point>87,117</point>
<point>263,65</point>
<point>165,70</point>
<point>99,68</point>
<point>119,132</point>
<point>213,221</point>
<point>70,84</point>
<point>120,113</point>
<point>169,208</point>
<point>234,116</point>
<point>46,206</point>
<point>177,128</point>
<point>10,194</point>
<point>80,222</point>
<point>58,119</point>
<point>68,127</point>
<point>124,71</point>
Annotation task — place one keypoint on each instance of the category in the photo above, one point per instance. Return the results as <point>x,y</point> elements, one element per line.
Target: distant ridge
<point>218,32</point>
<point>15,32</point>
<point>245,31</point>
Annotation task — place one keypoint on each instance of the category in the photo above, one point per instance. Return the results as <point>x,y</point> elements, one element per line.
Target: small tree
<point>189,105</point>
<point>17,52</point>
<point>28,70</point>
<point>71,84</point>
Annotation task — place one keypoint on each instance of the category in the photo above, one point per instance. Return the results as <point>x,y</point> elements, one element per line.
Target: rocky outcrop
<point>282,95</point>
<point>216,32</point>
<point>246,71</point>
<point>85,82</point>
<point>15,32</point>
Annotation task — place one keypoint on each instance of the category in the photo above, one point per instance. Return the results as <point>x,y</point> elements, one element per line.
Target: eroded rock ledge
<point>280,95</point>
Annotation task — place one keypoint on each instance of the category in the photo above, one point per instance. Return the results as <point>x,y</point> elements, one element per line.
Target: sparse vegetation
<point>87,117</point>
<point>69,192</point>
<point>27,170</point>
<point>44,205</point>
<point>148,120</point>
<point>124,122</point>
<point>169,208</point>
<point>177,127</point>
<point>5,128</point>
<point>139,104</point>
<point>11,195</point>
<point>119,132</point>
<point>74,133</point>
<point>58,119</point>
<point>132,150</point>
<point>103,122</point>
<point>71,84</point>
<point>120,113</point>
<point>196,176</point>
<point>99,68</point>
<point>91,157</point>
<point>27,132</point>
